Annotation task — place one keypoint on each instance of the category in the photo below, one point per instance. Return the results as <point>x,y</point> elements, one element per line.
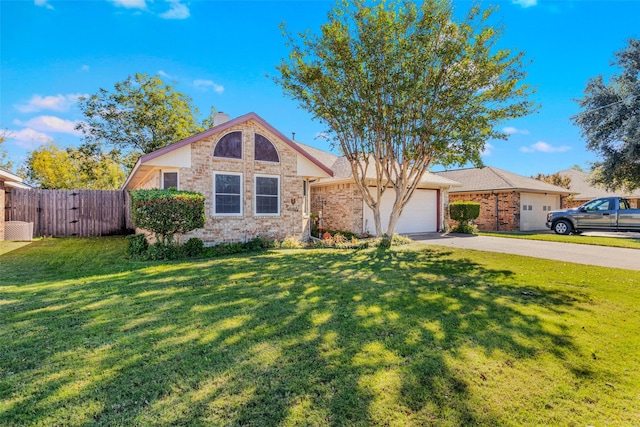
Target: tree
<point>141,115</point>
<point>610,121</point>
<point>5,163</point>
<point>555,179</point>
<point>52,167</point>
<point>401,86</point>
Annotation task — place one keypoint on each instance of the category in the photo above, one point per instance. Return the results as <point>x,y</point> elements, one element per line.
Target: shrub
<point>137,245</point>
<point>167,212</point>
<point>291,243</point>
<point>464,211</point>
<point>465,228</point>
<point>193,248</point>
<point>161,251</point>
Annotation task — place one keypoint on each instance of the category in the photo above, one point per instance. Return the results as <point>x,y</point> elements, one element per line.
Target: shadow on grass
<point>282,337</point>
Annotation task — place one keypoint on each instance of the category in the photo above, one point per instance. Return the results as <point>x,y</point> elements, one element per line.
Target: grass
<point>7,246</point>
<point>616,242</point>
<point>407,336</point>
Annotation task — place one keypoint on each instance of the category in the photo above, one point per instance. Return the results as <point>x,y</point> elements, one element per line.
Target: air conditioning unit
<point>18,230</point>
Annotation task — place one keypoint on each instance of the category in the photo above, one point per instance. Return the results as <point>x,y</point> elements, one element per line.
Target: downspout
<point>497,213</point>
<point>439,211</point>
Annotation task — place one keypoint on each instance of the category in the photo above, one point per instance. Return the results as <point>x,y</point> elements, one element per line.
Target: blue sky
<point>220,53</point>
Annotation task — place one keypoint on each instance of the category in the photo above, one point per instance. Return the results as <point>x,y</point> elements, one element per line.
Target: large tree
<point>5,163</point>
<point>554,179</point>
<point>401,86</point>
<point>52,167</point>
<point>610,121</point>
<point>141,115</point>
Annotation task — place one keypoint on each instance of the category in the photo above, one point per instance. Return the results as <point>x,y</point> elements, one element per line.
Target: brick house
<point>509,202</point>
<point>256,181</point>
<point>584,191</point>
<point>8,181</point>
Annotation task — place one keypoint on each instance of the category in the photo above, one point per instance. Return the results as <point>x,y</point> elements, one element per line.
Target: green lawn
<point>617,242</point>
<point>409,336</point>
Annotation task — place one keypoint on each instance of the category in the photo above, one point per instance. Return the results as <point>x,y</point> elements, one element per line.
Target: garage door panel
<point>419,215</point>
<point>534,209</point>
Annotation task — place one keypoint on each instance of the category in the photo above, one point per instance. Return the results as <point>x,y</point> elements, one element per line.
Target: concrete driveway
<point>568,252</point>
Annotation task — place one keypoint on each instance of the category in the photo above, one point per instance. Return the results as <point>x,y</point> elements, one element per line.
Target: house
<point>343,208</point>
<point>8,181</point>
<point>585,191</point>
<point>256,181</point>
<point>509,202</point>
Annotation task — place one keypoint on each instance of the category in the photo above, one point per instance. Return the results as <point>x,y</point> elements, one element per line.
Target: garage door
<point>419,216</point>
<point>534,209</point>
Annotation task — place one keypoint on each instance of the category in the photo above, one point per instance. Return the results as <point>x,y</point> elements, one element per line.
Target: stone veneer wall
<point>341,206</point>
<point>221,229</point>
<point>2,205</point>
<point>508,210</point>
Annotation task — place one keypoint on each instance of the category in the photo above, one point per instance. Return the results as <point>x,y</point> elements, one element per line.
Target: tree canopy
<point>5,163</point>
<point>610,121</point>
<point>141,115</point>
<point>400,86</point>
<point>52,167</point>
<point>555,179</point>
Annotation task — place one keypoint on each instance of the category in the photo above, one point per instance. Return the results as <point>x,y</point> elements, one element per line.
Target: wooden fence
<point>59,213</point>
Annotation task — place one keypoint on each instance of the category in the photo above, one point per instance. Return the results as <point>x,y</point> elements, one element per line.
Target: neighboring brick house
<point>509,202</point>
<point>585,191</point>
<point>343,208</point>
<point>254,179</point>
<point>8,181</point>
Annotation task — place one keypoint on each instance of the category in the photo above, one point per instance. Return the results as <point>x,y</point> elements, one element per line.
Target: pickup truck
<point>606,214</point>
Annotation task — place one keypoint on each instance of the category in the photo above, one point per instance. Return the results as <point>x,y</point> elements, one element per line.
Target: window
<point>229,146</point>
<point>264,150</point>
<point>267,195</point>
<point>227,194</point>
<point>169,180</point>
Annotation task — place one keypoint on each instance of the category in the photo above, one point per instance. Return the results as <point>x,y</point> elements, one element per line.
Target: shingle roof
<point>585,191</point>
<point>342,169</point>
<point>493,179</point>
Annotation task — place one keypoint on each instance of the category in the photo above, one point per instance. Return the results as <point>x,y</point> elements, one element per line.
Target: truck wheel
<point>562,227</point>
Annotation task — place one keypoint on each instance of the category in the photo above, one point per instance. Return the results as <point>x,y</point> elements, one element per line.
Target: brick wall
<point>508,210</point>
<point>341,206</point>
<point>635,203</point>
<point>2,205</point>
<point>200,177</point>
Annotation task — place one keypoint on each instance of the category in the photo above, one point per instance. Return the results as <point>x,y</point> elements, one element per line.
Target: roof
<point>586,191</point>
<point>342,170</point>
<point>493,179</point>
<point>11,180</point>
<point>221,128</point>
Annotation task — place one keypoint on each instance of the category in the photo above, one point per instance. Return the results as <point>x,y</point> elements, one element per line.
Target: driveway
<point>568,252</point>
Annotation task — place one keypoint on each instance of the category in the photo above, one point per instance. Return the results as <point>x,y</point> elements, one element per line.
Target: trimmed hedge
<point>464,211</point>
<point>167,212</point>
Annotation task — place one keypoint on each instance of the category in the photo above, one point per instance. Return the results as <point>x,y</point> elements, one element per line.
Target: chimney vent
<point>220,118</point>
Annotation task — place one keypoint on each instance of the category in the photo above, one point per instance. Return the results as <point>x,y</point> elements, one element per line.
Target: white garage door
<point>534,209</point>
<point>419,216</point>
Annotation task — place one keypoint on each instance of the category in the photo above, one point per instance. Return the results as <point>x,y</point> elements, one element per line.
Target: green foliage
<point>193,248</point>
<point>609,121</point>
<point>554,179</point>
<point>464,211</point>
<point>163,251</point>
<point>465,228</point>
<point>52,167</point>
<point>401,85</point>
<point>291,243</point>
<point>5,163</point>
<point>167,212</point>
<point>141,115</point>
<point>137,245</point>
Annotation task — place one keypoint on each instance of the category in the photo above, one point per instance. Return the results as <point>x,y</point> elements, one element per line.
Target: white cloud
<point>208,84</point>
<point>55,103</point>
<point>544,147</point>
<point>28,138</point>
<point>130,4</point>
<point>43,3</point>
<point>525,3</point>
<point>511,130</point>
<point>177,11</point>
<point>84,68</point>
<point>161,73</point>
<point>487,149</point>
<point>50,124</point>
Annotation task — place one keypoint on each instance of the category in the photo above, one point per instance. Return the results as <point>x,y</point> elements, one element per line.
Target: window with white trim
<point>267,195</point>
<point>227,194</point>
<point>169,180</point>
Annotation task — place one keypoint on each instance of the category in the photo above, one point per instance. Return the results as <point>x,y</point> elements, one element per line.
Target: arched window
<point>264,150</point>
<point>229,146</point>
